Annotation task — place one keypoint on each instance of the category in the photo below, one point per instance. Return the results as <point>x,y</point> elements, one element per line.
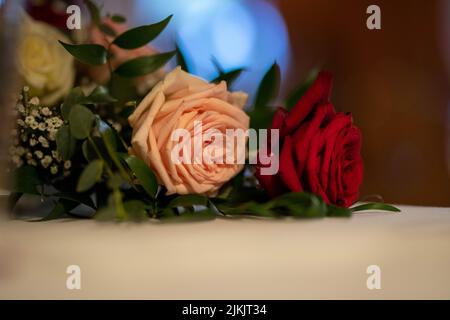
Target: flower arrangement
<point>133,142</point>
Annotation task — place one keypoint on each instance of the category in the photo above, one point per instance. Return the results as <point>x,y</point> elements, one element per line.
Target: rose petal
<point>302,138</point>
<point>287,168</point>
<point>319,92</point>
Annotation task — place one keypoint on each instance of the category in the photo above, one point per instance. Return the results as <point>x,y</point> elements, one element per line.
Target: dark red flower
<point>319,149</point>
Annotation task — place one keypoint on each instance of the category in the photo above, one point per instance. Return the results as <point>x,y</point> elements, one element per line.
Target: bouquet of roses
<point>132,141</point>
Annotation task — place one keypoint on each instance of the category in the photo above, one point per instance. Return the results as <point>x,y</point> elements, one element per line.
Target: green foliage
<point>188,200</point>
<point>229,77</point>
<point>61,208</point>
<point>136,210</point>
<point>117,18</point>
<point>269,87</point>
<point>375,206</point>
<point>146,178</point>
<point>295,204</point>
<point>65,142</point>
<point>181,59</point>
<point>90,175</point>
<point>140,36</point>
<point>75,96</point>
<point>81,121</point>
<point>100,95</point>
<point>94,54</point>
<point>143,65</point>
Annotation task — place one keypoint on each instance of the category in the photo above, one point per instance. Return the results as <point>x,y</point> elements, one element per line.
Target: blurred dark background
<point>395,80</point>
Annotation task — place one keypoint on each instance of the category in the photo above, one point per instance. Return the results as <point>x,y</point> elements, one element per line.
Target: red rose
<point>319,149</point>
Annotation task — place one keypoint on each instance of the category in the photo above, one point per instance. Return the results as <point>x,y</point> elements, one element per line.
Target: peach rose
<point>181,101</point>
<point>100,74</point>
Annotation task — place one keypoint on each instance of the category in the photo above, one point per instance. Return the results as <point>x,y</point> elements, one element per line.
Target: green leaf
<point>181,59</point>
<point>140,36</point>
<point>105,214</point>
<point>250,208</point>
<point>143,65</point>
<point>261,118</point>
<point>118,18</point>
<point>81,120</point>
<point>76,197</point>
<point>375,206</point>
<point>65,143</point>
<point>90,175</point>
<point>108,135</point>
<point>61,207</point>
<point>136,210</point>
<point>94,11</point>
<point>229,77</point>
<point>75,96</point>
<point>188,200</point>
<point>190,216</point>
<point>300,91</point>
<point>269,87</point>
<point>24,180</point>
<point>94,54</point>
<point>114,210</point>
<point>334,211</point>
<point>143,173</point>
<point>100,95</point>
<point>300,205</point>
<point>107,30</point>
<point>114,182</point>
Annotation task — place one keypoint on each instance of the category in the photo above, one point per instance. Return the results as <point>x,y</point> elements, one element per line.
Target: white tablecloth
<point>238,259</point>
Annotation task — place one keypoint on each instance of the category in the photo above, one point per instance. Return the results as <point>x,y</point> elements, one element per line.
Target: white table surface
<point>239,259</point>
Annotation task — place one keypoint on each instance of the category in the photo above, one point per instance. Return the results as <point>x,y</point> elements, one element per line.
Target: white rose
<point>43,63</point>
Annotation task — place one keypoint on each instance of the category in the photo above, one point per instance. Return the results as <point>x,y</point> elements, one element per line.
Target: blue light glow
<point>238,33</point>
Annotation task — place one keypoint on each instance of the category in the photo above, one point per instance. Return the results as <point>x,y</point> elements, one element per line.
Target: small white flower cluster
<point>33,139</point>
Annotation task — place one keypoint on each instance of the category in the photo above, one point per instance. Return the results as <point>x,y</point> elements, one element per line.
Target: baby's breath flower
<point>42,126</point>
<point>46,161</point>
<point>58,157</point>
<point>34,137</point>
<point>34,125</point>
<point>21,108</point>
<point>34,100</point>
<point>67,164</point>
<point>43,141</point>
<point>54,169</point>
<point>39,154</point>
<point>29,120</point>
<point>52,134</point>
<point>46,111</point>
<point>35,113</point>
